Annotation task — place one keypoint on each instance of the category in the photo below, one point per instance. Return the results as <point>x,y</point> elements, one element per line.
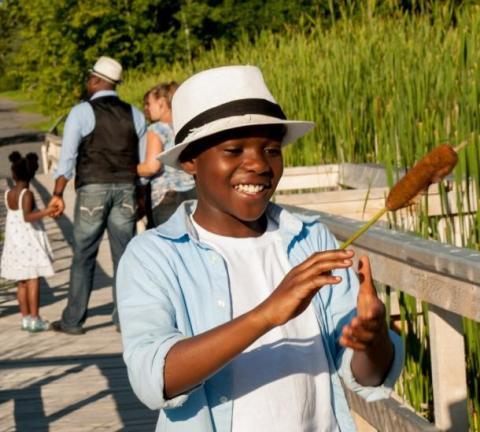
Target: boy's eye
<point>232,150</point>
<point>273,151</point>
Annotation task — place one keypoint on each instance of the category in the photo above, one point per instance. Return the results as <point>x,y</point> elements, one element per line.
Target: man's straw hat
<point>224,98</point>
<point>108,69</point>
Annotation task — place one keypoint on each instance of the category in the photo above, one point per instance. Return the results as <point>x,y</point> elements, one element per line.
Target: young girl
<point>169,186</point>
<point>26,252</point>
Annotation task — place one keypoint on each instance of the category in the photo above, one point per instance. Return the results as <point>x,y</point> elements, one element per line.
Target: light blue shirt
<point>171,286</point>
<point>80,123</point>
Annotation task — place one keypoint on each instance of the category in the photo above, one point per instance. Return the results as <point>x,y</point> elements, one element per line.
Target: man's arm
<point>141,129</point>
<point>80,122</point>
<point>57,198</point>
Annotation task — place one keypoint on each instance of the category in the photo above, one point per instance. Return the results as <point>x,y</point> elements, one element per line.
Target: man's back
<point>109,154</point>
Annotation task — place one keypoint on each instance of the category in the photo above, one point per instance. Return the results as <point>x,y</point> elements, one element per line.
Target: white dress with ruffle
<point>26,251</point>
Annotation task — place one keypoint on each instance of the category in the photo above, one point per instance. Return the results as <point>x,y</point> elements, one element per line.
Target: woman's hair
<point>165,90</point>
<point>23,168</point>
<point>145,96</point>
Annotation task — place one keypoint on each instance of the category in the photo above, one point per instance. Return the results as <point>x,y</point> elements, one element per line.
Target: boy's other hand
<point>368,329</point>
<point>300,285</point>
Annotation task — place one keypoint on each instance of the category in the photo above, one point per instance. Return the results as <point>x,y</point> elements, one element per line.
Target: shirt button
<point>221,303</point>
<point>223,399</point>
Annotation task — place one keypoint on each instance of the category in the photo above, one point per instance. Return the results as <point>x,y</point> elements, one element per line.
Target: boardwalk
<point>55,382</point>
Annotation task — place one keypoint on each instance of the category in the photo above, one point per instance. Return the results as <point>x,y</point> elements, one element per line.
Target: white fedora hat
<point>221,99</point>
<point>108,69</point>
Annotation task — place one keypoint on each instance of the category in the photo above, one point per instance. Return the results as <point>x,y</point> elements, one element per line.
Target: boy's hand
<point>300,285</point>
<point>368,329</point>
<point>367,333</point>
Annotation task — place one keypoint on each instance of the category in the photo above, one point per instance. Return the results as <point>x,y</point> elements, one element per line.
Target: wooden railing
<point>51,146</point>
<point>51,149</point>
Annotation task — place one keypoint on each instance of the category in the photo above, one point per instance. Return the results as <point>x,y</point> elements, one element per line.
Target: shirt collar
<point>180,225</point>
<point>102,93</point>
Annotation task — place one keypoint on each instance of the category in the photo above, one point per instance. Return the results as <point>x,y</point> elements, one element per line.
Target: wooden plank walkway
<point>57,382</point>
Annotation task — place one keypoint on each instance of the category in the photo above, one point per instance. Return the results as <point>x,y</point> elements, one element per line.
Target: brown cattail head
<point>432,168</point>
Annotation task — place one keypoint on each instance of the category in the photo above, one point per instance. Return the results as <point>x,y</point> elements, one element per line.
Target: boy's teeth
<point>249,188</point>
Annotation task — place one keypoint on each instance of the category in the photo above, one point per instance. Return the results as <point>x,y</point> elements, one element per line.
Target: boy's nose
<point>256,161</point>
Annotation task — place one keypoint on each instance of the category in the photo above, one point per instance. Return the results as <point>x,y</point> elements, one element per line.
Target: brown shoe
<point>57,326</point>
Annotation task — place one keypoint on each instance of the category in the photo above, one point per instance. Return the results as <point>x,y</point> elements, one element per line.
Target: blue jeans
<point>97,207</point>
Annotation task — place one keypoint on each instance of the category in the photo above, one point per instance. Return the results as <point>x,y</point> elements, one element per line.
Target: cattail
<point>432,168</point>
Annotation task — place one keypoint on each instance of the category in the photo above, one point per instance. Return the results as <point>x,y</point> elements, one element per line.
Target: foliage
<point>47,46</point>
<point>7,46</point>
<point>59,40</point>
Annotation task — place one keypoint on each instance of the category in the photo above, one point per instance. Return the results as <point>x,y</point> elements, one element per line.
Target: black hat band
<point>231,109</point>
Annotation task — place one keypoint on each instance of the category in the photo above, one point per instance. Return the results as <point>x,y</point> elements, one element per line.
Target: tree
<point>59,40</point>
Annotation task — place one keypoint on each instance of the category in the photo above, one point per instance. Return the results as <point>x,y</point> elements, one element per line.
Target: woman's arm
<point>151,165</point>
<point>27,206</point>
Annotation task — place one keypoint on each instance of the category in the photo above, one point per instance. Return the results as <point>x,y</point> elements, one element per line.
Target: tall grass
<point>382,90</point>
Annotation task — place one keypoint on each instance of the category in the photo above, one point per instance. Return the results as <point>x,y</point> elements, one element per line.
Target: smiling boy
<point>237,315</point>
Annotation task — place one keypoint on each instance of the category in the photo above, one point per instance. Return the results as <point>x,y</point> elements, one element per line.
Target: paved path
<point>15,134</point>
<point>55,382</point>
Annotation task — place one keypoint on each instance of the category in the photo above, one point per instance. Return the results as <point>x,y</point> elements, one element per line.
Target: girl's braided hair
<point>23,168</point>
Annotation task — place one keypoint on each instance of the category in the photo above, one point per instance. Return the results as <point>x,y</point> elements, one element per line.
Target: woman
<point>169,186</point>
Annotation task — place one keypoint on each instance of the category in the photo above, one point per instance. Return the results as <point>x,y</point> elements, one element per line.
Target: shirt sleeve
<point>372,394</point>
<point>80,122</point>
<point>163,131</point>
<point>147,320</point>
<point>141,129</point>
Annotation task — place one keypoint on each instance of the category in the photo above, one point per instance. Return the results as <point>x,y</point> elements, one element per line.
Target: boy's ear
<point>189,166</point>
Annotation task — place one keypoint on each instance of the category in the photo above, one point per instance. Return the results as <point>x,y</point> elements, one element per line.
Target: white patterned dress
<point>26,251</point>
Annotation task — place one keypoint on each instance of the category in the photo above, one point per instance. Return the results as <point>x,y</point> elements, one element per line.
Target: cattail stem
<point>461,146</point>
<point>364,228</point>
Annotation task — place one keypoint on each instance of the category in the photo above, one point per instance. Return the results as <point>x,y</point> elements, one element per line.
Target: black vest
<point>110,153</point>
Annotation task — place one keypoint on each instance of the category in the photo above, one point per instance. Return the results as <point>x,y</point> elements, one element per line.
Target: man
<point>101,144</point>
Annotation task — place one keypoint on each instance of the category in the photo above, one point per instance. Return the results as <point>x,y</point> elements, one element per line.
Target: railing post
<point>448,369</point>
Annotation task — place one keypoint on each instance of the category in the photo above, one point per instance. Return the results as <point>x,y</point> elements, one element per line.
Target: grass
<point>25,104</point>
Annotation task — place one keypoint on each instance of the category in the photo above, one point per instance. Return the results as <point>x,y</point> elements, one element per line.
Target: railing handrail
<point>459,266</point>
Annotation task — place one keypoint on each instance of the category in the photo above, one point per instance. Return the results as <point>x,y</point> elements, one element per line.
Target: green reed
<point>382,90</point>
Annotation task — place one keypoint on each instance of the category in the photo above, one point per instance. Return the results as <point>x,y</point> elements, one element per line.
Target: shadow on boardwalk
<point>56,382</point>
<point>32,405</point>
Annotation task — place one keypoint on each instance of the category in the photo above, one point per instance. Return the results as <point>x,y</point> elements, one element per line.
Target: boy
<point>237,315</point>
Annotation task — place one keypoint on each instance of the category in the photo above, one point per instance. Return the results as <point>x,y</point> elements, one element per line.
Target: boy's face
<point>235,179</point>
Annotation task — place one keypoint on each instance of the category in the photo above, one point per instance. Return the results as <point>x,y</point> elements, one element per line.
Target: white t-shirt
<point>281,382</point>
